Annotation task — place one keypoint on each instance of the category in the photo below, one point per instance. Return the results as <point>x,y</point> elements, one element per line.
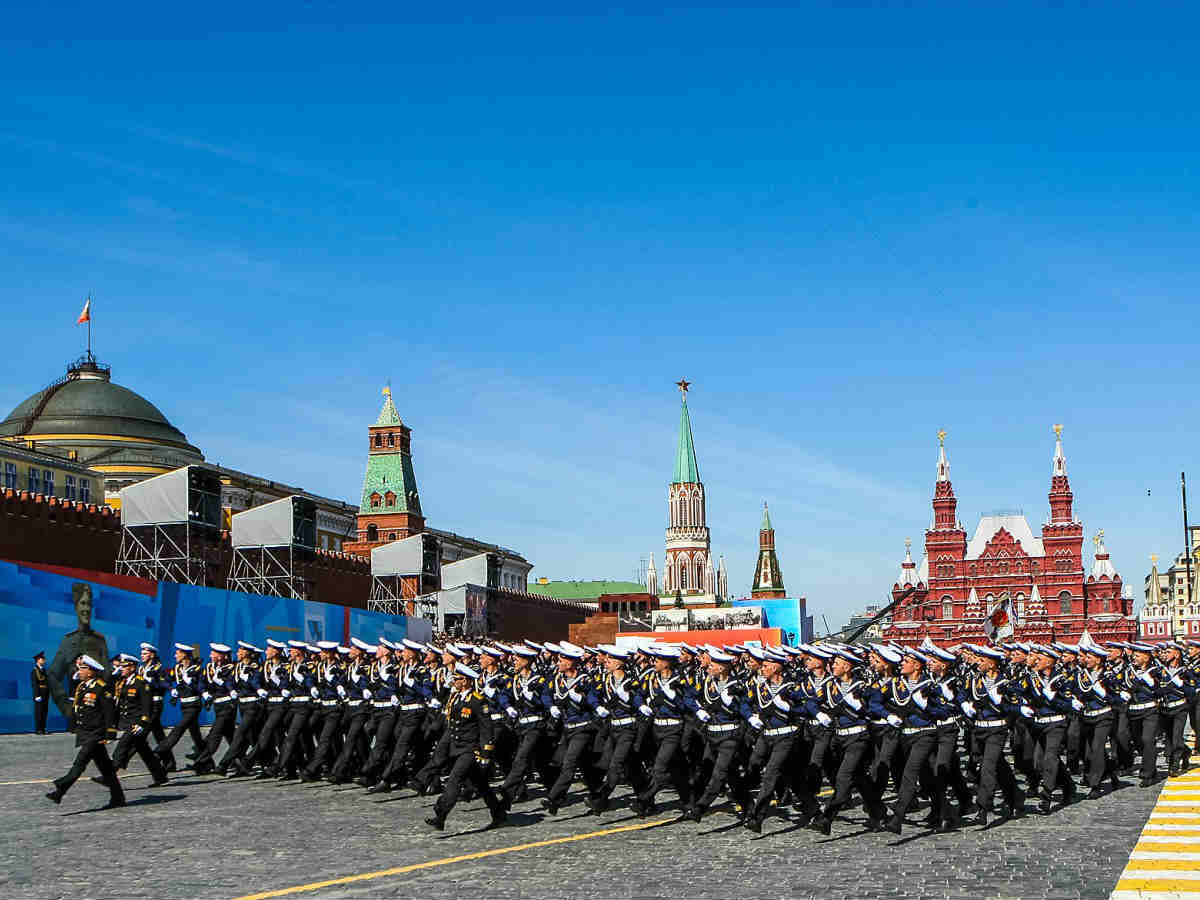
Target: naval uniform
<point>187,686</point>
<point>95,723</point>
<point>222,695</point>
<point>468,739</point>
<point>251,696</point>
<point>39,683</point>
<point>134,716</point>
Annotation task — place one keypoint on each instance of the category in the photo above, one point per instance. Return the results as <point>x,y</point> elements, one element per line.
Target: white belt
<point>571,726</point>
<point>1092,713</point>
<point>409,707</point>
<point>277,699</point>
<point>728,726</point>
<point>186,700</point>
<point>329,703</point>
<point>919,730</point>
<point>528,720</point>
<point>1174,703</point>
<point>296,698</point>
<point>624,720</point>
<point>1150,704</point>
<point>353,702</point>
<point>224,699</point>
<point>1049,720</point>
<point>989,723</point>
<point>157,698</point>
<point>249,698</point>
<point>783,729</point>
<point>854,729</point>
<point>380,704</point>
<point>495,716</point>
<point>668,721</point>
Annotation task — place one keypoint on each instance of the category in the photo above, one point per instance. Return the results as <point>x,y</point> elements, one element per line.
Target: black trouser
<point>291,754</point>
<point>156,729</point>
<point>1023,749</point>
<point>189,713</point>
<point>885,739</point>
<point>1122,738</point>
<point>131,743</point>
<point>770,756</point>
<point>269,735</point>
<point>947,772</point>
<point>724,752</point>
<point>431,771</point>
<point>354,742</point>
<point>245,735</point>
<point>1094,734</point>
<point>993,767</point>
<point>1171,724</point>
<point>533,752</point>
<point>92,751</point>
<point>1143,727</point>
<point>1047,743</point>
<point>465,767</point>
<point>223,726</point>
<point>1194,718</point>
<point>918,748</point>
<point>331,724</point>
<point>851,752</point>
<point>383,723</point>
<point>575,752</point>
<point>669,766</point>
<point>406,740</point>
<point>40,710</point>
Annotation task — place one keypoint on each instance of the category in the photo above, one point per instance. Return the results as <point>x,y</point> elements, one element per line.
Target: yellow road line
<point>1157,884</point>
<point>435,863</point>
<point>50,780</point>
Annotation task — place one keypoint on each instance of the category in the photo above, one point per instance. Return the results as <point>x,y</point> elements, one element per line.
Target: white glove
<point>1126,696</point>
<point>1177,681</point>
<point>726,697</point>
<point>408,682</point>
<point>314,693</point>
<point>622,694</point>
<point>233,695</point>
<point>919,699</point>
<point>782,704</point>
<point>946,692</point>
<point>853,702</point>
<point>556,712</point>
<point>824,719</point>
<point>175,693</point>
<point>1098,689</point>
<point>435,703</point>
<point>575,695</point>
<point>645,710</point>
<point>1076,704</point>
<point>702,715</point>
<point>341,692</point>
<point>668,691</point>
<point>395,700</point>
<point>1047,693</point>
<point>994,693</point>
<point>285,692</point>
<point>261,692</point>
<point>1147,678</point>
<point>528,694</point>
<point>1027,711</point>
<point>489,692</point>
<point>366,694</point>
<point>894,720</point>
<point>511,712</point>
<point>968,707</point>
<point>206,696</point>
<point>755,722</point>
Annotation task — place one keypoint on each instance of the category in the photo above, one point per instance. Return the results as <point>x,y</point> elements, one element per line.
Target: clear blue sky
<point>848,227</point>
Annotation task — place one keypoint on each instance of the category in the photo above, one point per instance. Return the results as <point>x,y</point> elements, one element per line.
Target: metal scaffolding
<point>269,571</point>
<point>170,551</point>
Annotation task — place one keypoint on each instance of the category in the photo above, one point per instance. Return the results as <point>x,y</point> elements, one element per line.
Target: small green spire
<point>766,522</point>
<point>686,469</point>
<point>388,415</point>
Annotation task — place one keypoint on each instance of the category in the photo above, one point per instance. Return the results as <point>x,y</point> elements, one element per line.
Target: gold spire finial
<point>1099,537</point>
<point>387,390</point>
<point>942,436</point>
<point>683,384</point>
<point>1058,430</point>
<point>1153,558</point>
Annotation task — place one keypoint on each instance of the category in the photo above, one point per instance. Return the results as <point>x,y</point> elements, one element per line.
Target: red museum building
<point>960,580</point>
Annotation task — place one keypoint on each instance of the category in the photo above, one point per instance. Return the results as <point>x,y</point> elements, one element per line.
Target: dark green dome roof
<point>86,402</point>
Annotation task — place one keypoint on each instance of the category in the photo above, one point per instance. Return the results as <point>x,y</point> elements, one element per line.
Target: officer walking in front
<point>133,699</point>
<point>95,725</point>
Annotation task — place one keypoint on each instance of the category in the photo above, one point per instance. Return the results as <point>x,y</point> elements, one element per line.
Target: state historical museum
<point>959,581</point>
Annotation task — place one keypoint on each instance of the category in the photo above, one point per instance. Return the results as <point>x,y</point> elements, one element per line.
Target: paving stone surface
<point>210,837</point>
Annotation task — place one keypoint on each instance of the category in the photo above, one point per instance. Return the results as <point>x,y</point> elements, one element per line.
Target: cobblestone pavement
<point>209,837</point>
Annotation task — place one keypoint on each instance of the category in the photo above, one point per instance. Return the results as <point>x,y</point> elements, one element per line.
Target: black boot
<point>436,821</point>
<point>54,796</point>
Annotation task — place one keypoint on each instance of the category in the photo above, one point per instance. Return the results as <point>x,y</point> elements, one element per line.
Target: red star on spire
<point>683,384</point>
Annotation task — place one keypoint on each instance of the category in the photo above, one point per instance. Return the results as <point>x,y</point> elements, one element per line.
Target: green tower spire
<point>686,469</point>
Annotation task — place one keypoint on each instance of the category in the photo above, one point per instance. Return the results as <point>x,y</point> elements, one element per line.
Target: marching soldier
<point>221,694</point>
<point>1045,705</point>
<point>1178,684</point>
<point>720,698</point>
<point>530,705</point>
<point>251,696</point>
<point>987,700</point>
<point>620,694</point>
<point>357,712</point>
<point>576,707</point>
<point>300,689</point>
<point>327,711</point>
<point>134,713</point>
<point>412,694</point>
<point>95,725</point>
<point>275,683</point>
<point>152,672</point>
<point>187,686</point>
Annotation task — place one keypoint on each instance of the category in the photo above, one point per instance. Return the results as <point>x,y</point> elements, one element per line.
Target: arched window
<point>391,439</point>
<point>378,440</point>
<point>389,499</point>
<point>375,500</point>
<point>947,607</point>
<point>697,513</point>
<point>1064,603</point>
<point>391,535</point>
<point>372,532</point>
<point>683,576</point>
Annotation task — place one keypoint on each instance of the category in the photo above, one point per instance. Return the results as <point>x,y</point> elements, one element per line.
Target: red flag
<point>86,315</point>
